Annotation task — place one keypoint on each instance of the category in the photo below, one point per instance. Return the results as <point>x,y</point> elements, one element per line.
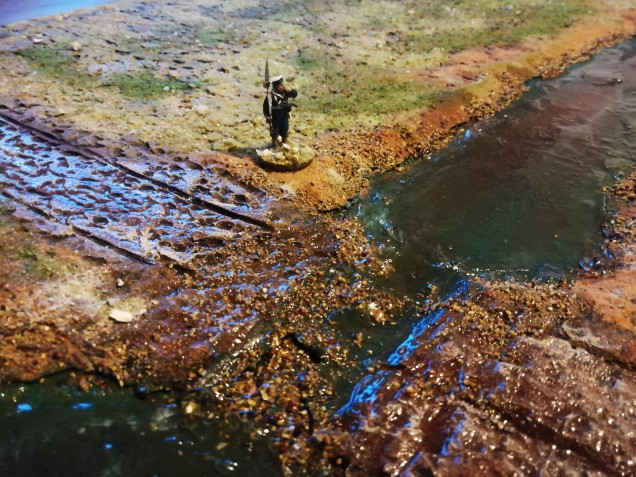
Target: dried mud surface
<point>525,378</point>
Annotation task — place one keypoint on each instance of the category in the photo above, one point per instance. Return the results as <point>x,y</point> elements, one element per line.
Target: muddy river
<point>519,196</point>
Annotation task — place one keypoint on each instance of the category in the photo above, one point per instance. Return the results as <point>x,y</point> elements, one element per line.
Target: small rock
<point>191,408</point>
<point>76,46</point>
<point>121,316</point>
<point>264,153</point>
<point>120,282</point>
<point>200,109</point>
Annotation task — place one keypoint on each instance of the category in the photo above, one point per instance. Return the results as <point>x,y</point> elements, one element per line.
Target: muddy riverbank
<point>204,90</point>
<point>246,317</point>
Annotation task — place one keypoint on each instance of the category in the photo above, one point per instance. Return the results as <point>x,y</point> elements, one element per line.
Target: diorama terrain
<point>143,241</point>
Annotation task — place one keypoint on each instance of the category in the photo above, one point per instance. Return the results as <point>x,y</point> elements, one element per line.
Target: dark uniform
<point>279,121</point>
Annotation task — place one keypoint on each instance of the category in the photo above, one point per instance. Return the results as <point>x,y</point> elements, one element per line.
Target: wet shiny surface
<point>148,213</point>
<point>519,195</point>
<point>507,379</point>
<point>111,431</point>
<point>496,386</point>
<point>492,386</point>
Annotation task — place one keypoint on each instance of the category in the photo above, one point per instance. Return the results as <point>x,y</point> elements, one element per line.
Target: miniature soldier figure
<point>278,116</point>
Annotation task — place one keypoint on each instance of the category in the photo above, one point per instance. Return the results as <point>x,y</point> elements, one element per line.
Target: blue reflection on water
<point>82,406</point>
<point>454,438</point>
<point>24,407</point>
<point>517,196</point>
<point>407,347</point>
<point>366,391</point>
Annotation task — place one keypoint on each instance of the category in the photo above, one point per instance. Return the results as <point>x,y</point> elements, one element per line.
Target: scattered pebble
<point>121,316</point>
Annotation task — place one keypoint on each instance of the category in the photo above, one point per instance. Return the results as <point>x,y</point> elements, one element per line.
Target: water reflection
<point>520,195</point>
<point>517,196</point>
<point>53,429</point>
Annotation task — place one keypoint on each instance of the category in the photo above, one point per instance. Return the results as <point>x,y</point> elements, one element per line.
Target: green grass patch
<point>51,59</point>
<point>5,208</point>
<point>360,90</point>
<point>370,94</point>
<point>6,211</point>
<point>56,61</point>
<point>214,36</point>
<point>502,25</point>
<point>18,249</point>
<point>38,263</point>
<point>146,85</point>
<point>349,90</point>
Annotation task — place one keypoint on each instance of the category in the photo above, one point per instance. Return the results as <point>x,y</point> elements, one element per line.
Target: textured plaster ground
<point>55,302</point>
<point>220,51</point>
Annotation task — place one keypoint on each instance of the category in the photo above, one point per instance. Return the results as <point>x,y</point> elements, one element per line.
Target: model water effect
<point>519,196</point>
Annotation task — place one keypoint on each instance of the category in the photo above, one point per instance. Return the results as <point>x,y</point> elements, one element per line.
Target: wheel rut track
<point>93,153</point>
<point>116,205</point>
<point>79,231</point>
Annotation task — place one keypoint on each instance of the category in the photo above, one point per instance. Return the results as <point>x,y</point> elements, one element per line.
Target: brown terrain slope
<point>527,378</point>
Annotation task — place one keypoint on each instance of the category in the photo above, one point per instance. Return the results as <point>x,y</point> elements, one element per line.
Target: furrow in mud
<point>466,394</point>
<point>53,227</point>
<point>108,203</point>
<point>550,421</point>
<point>192,193</point>
<point>206,186</point>
<point>601,341</point>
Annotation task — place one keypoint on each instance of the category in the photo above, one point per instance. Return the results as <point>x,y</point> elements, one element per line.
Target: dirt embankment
<point>614,295</point>
<point>55,303</point>
<point>206,91</point>
<point>487,80</point>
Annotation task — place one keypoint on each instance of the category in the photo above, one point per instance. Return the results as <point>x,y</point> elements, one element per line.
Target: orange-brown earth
<point>488,79</point>
<point>55,305</point>
<point>614,295</point>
